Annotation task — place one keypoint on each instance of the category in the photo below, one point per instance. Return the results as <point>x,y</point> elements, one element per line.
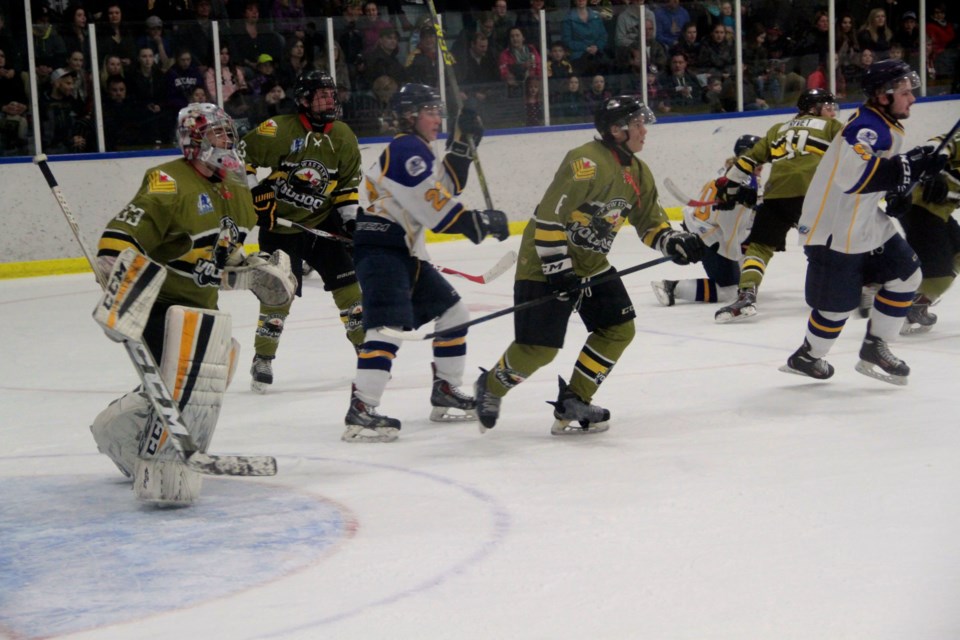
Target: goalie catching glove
<point>682,247</point>
<point>268,276</point>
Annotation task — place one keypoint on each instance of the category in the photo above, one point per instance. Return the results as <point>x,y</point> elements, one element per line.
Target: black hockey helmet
<point>885,76</point>
<point>308,82</point>
<point>618,112</point>
<point>410,99</point>
<point>744,143</point>
<point>812,98</point>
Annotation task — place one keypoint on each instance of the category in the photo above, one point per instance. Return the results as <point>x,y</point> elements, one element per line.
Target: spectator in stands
<point>717,56</point>
<point>671,21</point>
<point>816,42</point>
<point>687,43</point>
<point>121,117</point>
<point>63,129</point>
<point>586,35</point>
<point>421,65</point>
<point>232,77</point>
<point>370,24</point>
<point>478,72</point>
<point>779,45</point>
<point>529,21</point>
<point>713,95</point>
<point>296,62</point>
<point>276,102</point>
<point>47,43</point>
<point>340,71</point>
<point>631,83</point>
<point>383,59</point>
<point>908,35</point>
<point>939,31</point>
<point>254,39</point>
<point>627,31</point>
<point>875,34</point>
<point>14,109</point>
<point>597,94</point>
<point>115,37</point>
<point>287,16</point>
<point>83,88</point>
<point>75,33</point>
<point>681,89</point>
<point>897,52</point>
<point>147,87</point>
<point>181,79</point>
<point>819,79</point>
<point>503,20</point>
<point>156,40</point>
<point>112,66</point>
<point>657,56</point>
<point>266,72</point>
<point>848,46</point>
<point>751,99</point>
<point>863,63</point>
<point>570,105</point>
<point>197,35</point>
<point>518,62</point>
<point>533,101</point>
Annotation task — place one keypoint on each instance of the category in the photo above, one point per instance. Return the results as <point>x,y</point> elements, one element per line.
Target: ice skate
<point>867,294</point>
<point>487,404</point>
<point>450,404</point>
<point>261,372</point>
<point>803,364</point>
<point>663,289</point>
<point>877,362</point>
<point>364,424</point>
<point>744,306</point>
<point>919,319</point>
<point>573,416</point>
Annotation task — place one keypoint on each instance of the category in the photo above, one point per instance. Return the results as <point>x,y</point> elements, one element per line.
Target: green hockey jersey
<point>313,173</point>
<point>594,192</point>
<point>175,220</point>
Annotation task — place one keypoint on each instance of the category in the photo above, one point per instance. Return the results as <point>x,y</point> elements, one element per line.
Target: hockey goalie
<point>166,256</point>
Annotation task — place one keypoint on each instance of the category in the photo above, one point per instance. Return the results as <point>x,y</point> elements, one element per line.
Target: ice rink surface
<point>728,500</point>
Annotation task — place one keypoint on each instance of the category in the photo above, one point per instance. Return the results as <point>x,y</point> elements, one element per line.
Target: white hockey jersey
<point>726,228</point>
<point>410,187</point>
<point>837,211</point>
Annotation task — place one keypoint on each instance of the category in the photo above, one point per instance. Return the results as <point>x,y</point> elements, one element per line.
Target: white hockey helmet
<point>208,135</point>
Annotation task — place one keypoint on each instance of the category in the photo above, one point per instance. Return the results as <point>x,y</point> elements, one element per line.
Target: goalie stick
<point>154,387</point>
<point>491,274</point>
<point>423,335</point>
<point>677,193</point>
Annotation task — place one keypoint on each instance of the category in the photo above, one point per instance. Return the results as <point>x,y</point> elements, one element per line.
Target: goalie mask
<point>207,135</point>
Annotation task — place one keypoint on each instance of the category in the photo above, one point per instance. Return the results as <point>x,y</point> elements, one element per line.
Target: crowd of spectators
<point>156,56</point>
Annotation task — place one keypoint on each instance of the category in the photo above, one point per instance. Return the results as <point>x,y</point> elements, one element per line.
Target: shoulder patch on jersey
<point>415,165</point>
<point>268,128</point>
<point>584,169</point>
<point>868,137</point>
<point>161,182</point>
<point>297,145</point>
<point>204,204</point>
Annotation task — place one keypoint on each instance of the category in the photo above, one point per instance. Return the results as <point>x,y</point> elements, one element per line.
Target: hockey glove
<point>468,127</point>
<point>683,247</point>
<point>727,194</point>
<point>747,196</point>
<point>265,204</point>
<point>348,219</point>
<point>897,204</point>
<point>489,222</point>
<point>560,275</point>
<point>917,164</point>
<point>936,190</point>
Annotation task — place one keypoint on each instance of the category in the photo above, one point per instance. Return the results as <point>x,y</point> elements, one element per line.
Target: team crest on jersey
<point>161,182</point>
<point>597,231</point>
<point>268,128</point>
<point>296,146</point>
<point>306,185</point>
<point>204,204</point>
<point>584,169</point>
<point>415,166</point>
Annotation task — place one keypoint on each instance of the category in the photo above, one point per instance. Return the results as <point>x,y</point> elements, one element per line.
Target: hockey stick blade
<point>503,265</point>
<point>679,195</point>
<point>419,334</point>
<point>153,385</point>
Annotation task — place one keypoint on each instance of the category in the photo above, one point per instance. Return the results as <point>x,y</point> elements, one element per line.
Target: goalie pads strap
<point>131,289</point>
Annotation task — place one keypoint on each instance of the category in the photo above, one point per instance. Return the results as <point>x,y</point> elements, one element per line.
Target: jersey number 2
<point>438,197</point>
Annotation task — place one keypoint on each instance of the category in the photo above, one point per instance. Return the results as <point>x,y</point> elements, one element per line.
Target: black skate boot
<point>262,373</point>
<point>364,424</point>
<point>574,416</point>
<point>803,364</point>
<point>877,362</point>
<point>919,319</point>
<point>744,306</point>
<point>487,404</point>
<point>664,289</point>
<point>445,397</point>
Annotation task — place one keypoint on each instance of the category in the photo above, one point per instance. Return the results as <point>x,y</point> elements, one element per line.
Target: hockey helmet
<point>744,143</point>
<point>812,98</point>
<point>410,99</point>
<point>206,134</point>
<point>618,112</point>
<point>308,83</point>
<point>888,75</point>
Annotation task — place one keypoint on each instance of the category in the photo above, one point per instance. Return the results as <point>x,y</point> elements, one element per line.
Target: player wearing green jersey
<point>599,186</point>
<point>315,175</point>
<point>793,149</point>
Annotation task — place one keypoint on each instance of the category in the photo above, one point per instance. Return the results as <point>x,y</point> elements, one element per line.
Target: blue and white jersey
<point>726,228</point>
<point>841,208</point>
<point>410,187</point>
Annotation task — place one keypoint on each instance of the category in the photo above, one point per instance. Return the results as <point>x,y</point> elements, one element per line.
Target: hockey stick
<point>153,385</point>
<point>449,62</point>
<point>497,270</point>
<point>679,195</point>
<point>423,335</point>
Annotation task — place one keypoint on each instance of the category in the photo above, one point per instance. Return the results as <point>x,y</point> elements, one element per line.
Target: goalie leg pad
<point>132,288</point>
<point>117,430</point>
<point>166,483</point>
<point>196,366</point>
